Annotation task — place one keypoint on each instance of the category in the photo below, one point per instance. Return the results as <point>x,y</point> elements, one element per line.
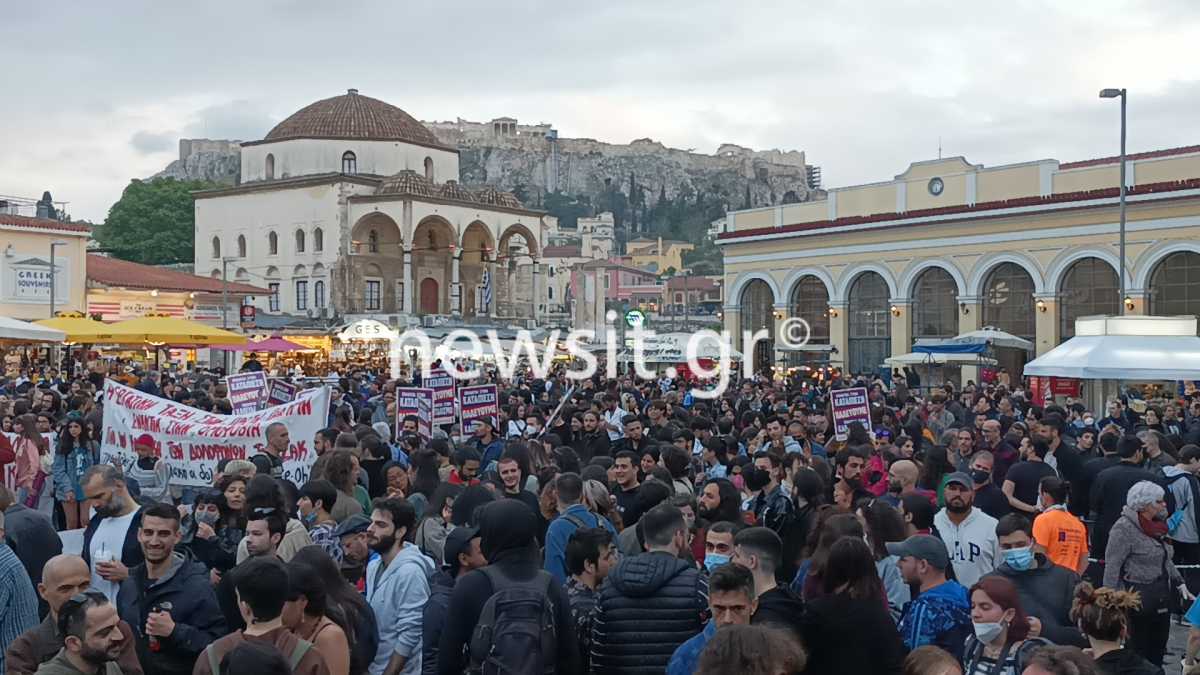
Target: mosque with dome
<point>351,208</point>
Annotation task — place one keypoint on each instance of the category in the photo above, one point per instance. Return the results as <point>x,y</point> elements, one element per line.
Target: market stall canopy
<point>15,330</point>
<point>271,344</point>
<point>672,348</point>
<point>918,358</point>
<point>81,329</point>
<point>1141,348</point>
<point>995,337</point>
<point>171,330</point>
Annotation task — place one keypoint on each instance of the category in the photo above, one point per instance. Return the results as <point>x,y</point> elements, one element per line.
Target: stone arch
<point>300,241</point>
<point>318,240</point>
<point>531,240</point>
<point>433,245</point>
<point>270,166</point>
<point>216,274</point>
<point>735,293</point>
<point>300,271</point>
<point>429,169</point>
<point>216,247</point>
<point>853,271</point>
<point>241,275</point>
<point>349,162</point>
<point>386,241</point>
<point>909,278</point>
<point>1149,260</point>
<point>984,266</point>
<point>272,273</point>
<point>241,246</point>
<point>272,243</point>
<point>789,284</point>
<point>318,270</point>
<point>1058,268</point>
<point>476,249</point>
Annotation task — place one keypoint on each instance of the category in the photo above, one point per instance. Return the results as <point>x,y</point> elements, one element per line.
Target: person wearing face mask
<point>1058,531</point>
<point>316,498</point>
<point>1045,589</point>
<point>718,543</point>
<point>211,532</point>
<point>1000,643</point>
<point>1137,557</point>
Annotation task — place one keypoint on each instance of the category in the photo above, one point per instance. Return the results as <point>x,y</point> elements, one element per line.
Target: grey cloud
<point>148,142</point>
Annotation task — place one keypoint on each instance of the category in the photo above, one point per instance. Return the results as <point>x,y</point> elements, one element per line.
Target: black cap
<point>352,525</point>
<point>456,542</point>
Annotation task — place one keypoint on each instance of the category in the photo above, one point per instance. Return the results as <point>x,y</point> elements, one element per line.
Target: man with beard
<point>63,577</point>
<point>633,441</point>
<point>592,441</point>
<point>92,637</point>
<point>323,444</point>
<point>168,599</point>
<point>110,542</point>
<point>397,587</point>
<point>626,487</point>
<point>264,531</point>
<point>968,532</point>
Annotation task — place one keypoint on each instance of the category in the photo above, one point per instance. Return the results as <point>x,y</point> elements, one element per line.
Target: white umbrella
<point>995,337</point>
<point>15,330</point>
<point>1125,348</point>
<point>917,359</point>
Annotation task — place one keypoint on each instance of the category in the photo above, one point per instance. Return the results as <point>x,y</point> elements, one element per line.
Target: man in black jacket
<point>760,550</point>
<point>168,600</point>
<point>30,535</point>
<point>650,603</point>
<point>508,541</point>
<point>1111,486</point>
<point>462,555</point>
<point>1046,590</point>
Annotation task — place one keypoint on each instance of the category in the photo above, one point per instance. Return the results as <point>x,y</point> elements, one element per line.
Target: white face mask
<point>986,632</point>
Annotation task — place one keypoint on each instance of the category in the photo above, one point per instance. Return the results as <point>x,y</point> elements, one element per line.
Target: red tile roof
<point>113,272</point>
<point>353,115</point>
<point>918,215</point>
<point>42,223</point>
<point>1153,154</point>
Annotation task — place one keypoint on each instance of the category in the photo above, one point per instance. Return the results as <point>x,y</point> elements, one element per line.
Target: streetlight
<point>1121,94</point>
<point>225,304</point>
<point>53,245</point>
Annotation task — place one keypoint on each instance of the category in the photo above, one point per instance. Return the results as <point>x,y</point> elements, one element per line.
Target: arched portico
<point>432,252</point>
<point>378,265</point>
<point>517,284</point>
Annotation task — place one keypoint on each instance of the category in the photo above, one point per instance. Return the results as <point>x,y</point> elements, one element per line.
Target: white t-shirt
<point>107,543</point>
<point>613,417</point>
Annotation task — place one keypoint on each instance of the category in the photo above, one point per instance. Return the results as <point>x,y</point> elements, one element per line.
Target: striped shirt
<point>18,602</point>
<point>151,474</point>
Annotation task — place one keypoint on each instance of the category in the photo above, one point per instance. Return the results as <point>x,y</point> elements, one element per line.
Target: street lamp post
<point>53,277</point>
<point>1120,93</point>
<point>225,305</point>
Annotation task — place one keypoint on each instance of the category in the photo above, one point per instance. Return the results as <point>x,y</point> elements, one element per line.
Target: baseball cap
<point>961,478</point>
<point>352,525</point>
<point>923,547</point>
<point>144,439</point>
<point>457,542</point>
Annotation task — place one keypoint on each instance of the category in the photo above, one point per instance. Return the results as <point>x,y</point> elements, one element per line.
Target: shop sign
<point>849,405</point>
<point>247,391</point>
<point>248,316</point>
<point>133,309</point>
<point>477,402</point>
<point>193,441</point>
<point>367,329</point>
<point>635,318</point>
<point>1045,388</point>
<point>27,278</point>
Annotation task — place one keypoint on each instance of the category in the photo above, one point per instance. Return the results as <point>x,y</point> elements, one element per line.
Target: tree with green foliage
<point>567,209</point>
<point>153,222</point>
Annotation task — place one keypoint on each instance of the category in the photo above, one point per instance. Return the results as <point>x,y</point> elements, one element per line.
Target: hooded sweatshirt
<point>973,547</point>
<point>60,665</point>
<point>941,616</point>
<point>508,540</point>
<point>779,607</point>
<point>398,593</point>
<point>1046,592</point>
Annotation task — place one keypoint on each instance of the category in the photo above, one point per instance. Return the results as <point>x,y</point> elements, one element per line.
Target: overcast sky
<point>99,93</point>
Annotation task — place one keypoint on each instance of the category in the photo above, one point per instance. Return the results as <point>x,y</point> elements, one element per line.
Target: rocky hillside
<point>204,159</point>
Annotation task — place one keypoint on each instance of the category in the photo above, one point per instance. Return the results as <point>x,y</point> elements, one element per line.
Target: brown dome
<point>353,115</point>
<point>407,182</point>
<point>452,190</point>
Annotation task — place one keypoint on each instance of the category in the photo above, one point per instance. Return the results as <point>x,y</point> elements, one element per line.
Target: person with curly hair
<point>751,650</point>
<point>1103,616</point>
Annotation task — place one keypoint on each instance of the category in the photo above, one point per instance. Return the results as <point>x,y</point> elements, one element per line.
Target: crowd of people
<point>609,526</point>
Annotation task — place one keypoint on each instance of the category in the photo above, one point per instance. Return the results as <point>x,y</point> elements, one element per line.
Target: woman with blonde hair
<point>1102,614</point>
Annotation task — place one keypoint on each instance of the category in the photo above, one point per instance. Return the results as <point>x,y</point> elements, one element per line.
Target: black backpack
<point>516,633</point>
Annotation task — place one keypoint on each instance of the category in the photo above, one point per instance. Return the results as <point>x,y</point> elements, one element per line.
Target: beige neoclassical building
<point>351,208</point>
<point>949,246</point>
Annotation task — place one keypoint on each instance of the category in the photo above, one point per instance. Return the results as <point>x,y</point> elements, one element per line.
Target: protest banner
<point>442,384</point>
<point>476,402</point>
<point>281,392</point>
<point>192,441</point>
<point>415,401</point>
<point>849,405</point>
<point>247,391</point>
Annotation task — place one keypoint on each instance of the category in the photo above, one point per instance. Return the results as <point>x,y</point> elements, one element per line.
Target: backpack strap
<point>575,520</point>
<point>213,664</point>
<point>298,652</point>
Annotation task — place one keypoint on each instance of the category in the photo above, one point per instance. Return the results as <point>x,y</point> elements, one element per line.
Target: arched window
<point>1008,300</point>
<point>349,162</point>
<point>758,313</point>
<point>272,244</point>
<point>1175,285</point>
<point>241,241</point>
<point>270,166</point>
<point>373,242</point>
<point>216,247</point>
<point>299,241</point>
<point>935,307</point>
<point>1088,288</point>
<point>318,240</point>
<point>319,294</point>
<point>429,169</point>
<point>870,323</point>
<point>810,301</point>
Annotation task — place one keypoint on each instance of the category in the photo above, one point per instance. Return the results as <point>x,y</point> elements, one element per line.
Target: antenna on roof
<point>939,147</point>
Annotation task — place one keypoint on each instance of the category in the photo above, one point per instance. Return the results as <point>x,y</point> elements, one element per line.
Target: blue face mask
<point>1020,559</point>
<point>311,518</point>
<point>714,560</point>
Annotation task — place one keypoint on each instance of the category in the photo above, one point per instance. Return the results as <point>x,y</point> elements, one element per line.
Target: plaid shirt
<point>18,602</point>
<point>582,601</point>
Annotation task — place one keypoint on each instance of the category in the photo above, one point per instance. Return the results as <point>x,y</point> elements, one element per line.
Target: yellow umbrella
<point>81,329</point>
<point>163,329</point>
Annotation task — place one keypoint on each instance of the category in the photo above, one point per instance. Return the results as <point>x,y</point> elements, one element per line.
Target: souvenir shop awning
<point>1139,348</point>
<point>15,330</point>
